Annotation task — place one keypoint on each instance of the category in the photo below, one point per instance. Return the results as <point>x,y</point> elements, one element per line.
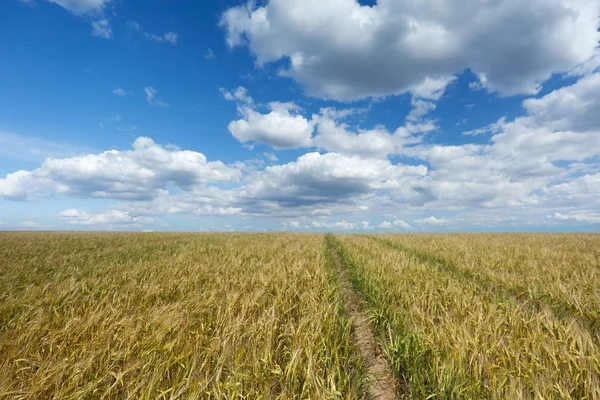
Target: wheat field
<point>268,316</point>
<point>171,316</point>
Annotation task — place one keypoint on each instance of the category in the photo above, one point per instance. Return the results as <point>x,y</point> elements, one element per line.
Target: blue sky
<point>300,115</point>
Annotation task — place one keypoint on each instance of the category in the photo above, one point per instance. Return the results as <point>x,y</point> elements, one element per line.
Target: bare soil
<point>381,383</point>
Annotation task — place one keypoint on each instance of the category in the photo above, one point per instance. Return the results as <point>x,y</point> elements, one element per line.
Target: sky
<point>300,115</point>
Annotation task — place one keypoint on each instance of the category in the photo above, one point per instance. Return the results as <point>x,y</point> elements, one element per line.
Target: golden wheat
<point>262,316</point>
<point>154,316</point>
<point>453,337</point>
<point>555,270</point>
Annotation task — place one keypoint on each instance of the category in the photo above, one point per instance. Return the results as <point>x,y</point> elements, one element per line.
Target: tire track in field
<point>380,383</point>
<point>519,293</point>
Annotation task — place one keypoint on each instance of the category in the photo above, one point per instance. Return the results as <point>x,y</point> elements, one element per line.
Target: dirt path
<point>381,383</point>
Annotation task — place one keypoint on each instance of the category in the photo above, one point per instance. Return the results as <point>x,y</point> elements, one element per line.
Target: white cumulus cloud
<point>281,128</point>
<point>401,224</point>
<point>328,178</point>
<point>431,221</point>
<point>385,225</point>
<point>343,224</point>
<point>513,46</point>
<point>540,164</point>
<point>285,128</point>
<point>141,173</point>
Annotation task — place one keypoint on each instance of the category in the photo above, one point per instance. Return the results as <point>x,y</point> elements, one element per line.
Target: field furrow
<point>380,383</point>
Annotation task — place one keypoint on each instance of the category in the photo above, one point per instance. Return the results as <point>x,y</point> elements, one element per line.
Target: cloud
<point>385,225</point>
<point>591,66</point>
<point>282,128</point>
<point>528,161</point>
<point>391,225</point>
<point>209,54</point>
<point>139,174</point>
<point>102,29</point>
<point>543,162</point>
<point>424,96</point>
<point>134,25</point>
<point>494,128</point>
<point>318,179</point>
<point>580,191</point>
<point>562,125</point>
<point>420,109</point>
<point>400,223</point>
<point>584,217</point>
<point>91,8</point>
<point>196,200</point>
<point>292,224</point>
<point>572,107</point>
<point>431,221</point>
<point>79,217</point>
<point>167,37</point>
<point>513,169</point>
<point>480,82</point>
<point>343,224</point>
<point>339,225</point>
<point>432,88</point>
<point>512,46</point>
<point>334,135</point>
<point>170,37</point>
<point>150,94</point>
<point>271,157</point>
<point>240,94</point>
<point>80,7</point>
<point>119,92</point>
<point>285,128</point>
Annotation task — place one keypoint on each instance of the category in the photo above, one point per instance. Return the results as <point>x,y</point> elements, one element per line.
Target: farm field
<point>302,316</point>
